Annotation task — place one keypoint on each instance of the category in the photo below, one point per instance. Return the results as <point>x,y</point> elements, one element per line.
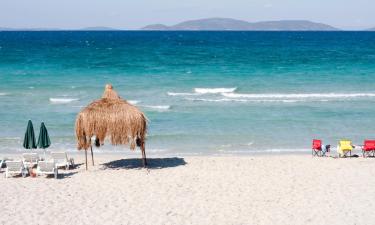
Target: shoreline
<point>136,153</point>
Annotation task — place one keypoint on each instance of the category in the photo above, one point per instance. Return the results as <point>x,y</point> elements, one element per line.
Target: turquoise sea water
<point>203,92</point>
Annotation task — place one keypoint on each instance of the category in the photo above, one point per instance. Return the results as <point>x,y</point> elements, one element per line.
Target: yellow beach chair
<point>345,147</point>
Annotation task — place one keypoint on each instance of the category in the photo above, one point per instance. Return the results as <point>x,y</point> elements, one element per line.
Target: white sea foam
<point>158,107</point>
<point>265,151</point>
<point>214,90</point>
<point>216,100</point>
<point>62,100</point>
<point>202,91</point>
<point>246,100</point>
<point>237,145</point>
<point>299,96</point>
<point>133,102</point>
<point>287,150</point>
<point>10,138</point>
<point>157,150</point>
<point>3,94</point>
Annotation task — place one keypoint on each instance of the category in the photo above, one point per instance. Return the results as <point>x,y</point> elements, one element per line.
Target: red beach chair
<point>368,148</point>
<point>317,148</point>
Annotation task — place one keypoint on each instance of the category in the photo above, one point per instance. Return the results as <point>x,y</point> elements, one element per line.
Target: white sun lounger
<point>30,159</point>
<point>47,168</point>
<point>2,163</point>
<point>61,159</point>
<point>15,168</point>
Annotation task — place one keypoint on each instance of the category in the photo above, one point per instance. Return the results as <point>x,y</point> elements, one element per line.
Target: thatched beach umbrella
<point>112,117</point>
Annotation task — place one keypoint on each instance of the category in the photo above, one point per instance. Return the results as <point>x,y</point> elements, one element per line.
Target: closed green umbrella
<point>29,140</point>
<point>43,140</point>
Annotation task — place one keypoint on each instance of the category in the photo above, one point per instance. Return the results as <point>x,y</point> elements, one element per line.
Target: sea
<point>210,93</point>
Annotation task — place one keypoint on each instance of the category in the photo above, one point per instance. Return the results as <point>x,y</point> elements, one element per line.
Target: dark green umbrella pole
<point>43,140</point>
<point>29,139</point>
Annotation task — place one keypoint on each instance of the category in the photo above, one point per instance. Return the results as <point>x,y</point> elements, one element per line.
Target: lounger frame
<point>47,168</point>
<point>15,168</point>
<point>61,159</point>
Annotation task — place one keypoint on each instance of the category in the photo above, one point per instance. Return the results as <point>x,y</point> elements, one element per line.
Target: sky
<point>134,14</point>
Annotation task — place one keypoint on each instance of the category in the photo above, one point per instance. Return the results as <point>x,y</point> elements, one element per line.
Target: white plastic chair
<point>30,159</point>
<point>15,168</point>
<point>2,163</point>
<point>47,168</point>
<point>61,159</point>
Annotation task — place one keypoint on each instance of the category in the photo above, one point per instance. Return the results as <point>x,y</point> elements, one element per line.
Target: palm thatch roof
<point>111,117</point>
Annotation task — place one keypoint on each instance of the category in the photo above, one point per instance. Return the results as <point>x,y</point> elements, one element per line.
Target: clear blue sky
<point>133,14</point>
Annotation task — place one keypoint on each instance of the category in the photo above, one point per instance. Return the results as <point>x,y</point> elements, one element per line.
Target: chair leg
<point>55,173</point>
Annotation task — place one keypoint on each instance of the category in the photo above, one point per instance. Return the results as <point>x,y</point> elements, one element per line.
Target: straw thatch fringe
<point>111,117</point>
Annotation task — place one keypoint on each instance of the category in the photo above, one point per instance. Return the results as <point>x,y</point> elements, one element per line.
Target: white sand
<point>207,190</point>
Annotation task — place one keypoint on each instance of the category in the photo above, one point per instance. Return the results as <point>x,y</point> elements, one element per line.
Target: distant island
<point>210,24</point>
<point>240,25</point>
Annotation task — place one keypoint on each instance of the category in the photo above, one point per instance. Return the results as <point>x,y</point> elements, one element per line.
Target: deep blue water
<point>278,89</point>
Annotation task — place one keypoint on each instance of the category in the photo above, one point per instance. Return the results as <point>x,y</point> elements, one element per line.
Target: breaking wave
<point>216,100</point>
<point>202,91</point>
<point>158,107</point>
<point>62,100</point>
<point>299,96</point>
<point>253,100</point>
<point>133,102</point>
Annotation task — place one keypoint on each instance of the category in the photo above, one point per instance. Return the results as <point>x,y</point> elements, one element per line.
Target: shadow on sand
<point>77,165</point>
<point>152,163</point>
<point>66,175</point>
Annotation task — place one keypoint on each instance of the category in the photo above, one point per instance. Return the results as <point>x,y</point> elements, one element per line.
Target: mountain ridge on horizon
<point>241,25</point>
<point>211,24</point>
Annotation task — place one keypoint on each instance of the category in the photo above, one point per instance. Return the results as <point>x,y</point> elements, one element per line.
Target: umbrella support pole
<point>86,158</point>
<point>143,149</point>
<point>92,155</point>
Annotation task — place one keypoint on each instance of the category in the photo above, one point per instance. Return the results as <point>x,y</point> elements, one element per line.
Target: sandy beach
<point>276,189</point>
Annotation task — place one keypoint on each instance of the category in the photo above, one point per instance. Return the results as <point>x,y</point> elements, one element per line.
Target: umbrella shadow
<point>66,175</point>
<point>152,163</point>
<point>77,165</point>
